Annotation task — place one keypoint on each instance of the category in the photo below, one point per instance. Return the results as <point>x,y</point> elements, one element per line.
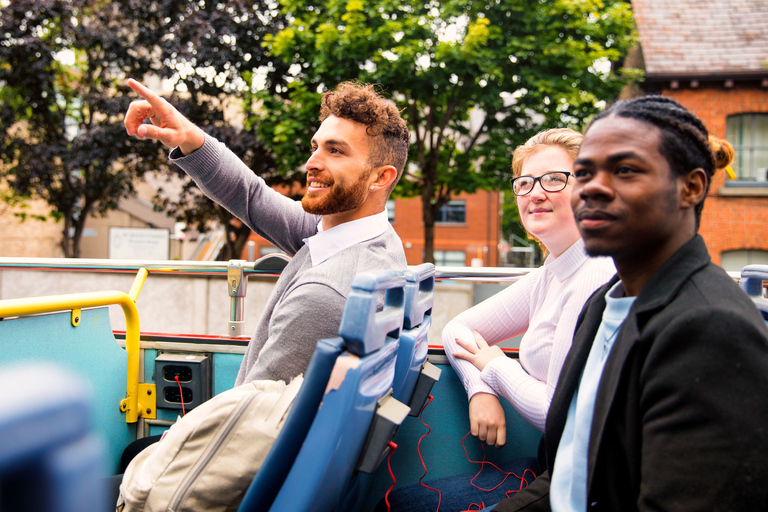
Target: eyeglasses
<point>554,181</point>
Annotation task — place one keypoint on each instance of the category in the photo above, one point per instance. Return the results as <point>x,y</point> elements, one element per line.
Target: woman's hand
<point>478,353</point>
<point>486,419</point>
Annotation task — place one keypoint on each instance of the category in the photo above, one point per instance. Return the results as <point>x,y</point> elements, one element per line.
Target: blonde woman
<point>544,304</point>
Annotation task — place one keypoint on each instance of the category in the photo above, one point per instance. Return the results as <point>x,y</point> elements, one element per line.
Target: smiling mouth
<point>317,184</point>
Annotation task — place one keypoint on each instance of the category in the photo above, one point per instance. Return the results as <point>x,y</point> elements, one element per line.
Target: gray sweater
<point>307,302</point>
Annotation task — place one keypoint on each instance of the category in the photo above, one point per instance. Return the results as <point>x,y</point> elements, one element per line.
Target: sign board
<point>138,244</point>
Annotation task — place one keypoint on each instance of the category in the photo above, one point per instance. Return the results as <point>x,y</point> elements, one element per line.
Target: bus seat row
<point>346,431</point>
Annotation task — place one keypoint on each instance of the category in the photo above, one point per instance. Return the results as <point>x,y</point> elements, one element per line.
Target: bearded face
<point>331,196</point>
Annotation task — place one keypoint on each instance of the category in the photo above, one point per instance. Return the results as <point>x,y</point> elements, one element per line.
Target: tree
<point>62,66</point>
<point>474,79</point>
<point>60,138</point>
<point>211,51</point>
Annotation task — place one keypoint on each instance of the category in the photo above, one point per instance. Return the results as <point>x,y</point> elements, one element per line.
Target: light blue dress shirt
<point>568,486</point>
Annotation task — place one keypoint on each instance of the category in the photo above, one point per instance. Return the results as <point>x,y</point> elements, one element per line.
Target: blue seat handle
<point>419,294</point>
<point>363,328</point>
<point>752,277</point>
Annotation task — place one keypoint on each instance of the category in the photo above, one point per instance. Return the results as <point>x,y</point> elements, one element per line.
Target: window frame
<point>450,206</point>
<point>744,165</point>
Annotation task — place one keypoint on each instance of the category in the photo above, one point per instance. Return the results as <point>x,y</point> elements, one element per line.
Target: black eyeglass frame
<point>538,178</point>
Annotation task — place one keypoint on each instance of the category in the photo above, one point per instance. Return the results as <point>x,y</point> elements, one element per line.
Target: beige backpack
<point>206,461</point>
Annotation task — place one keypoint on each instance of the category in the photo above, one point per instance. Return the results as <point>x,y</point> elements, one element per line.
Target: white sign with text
<point>138,244</point>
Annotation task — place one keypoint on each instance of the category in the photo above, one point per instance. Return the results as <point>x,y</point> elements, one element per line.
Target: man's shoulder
<point>710,297</point>
<point>379,253</point>
<point>713,286</point>
<point>383,252</point>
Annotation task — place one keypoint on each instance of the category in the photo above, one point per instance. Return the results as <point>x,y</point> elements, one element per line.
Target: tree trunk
<point>237,237</point>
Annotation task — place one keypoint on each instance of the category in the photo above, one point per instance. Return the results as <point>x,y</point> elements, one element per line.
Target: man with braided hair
<point>659,404</point>
<point>339,229</point>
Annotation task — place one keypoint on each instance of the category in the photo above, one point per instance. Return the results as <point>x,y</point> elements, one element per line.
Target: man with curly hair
<point>339,229</point>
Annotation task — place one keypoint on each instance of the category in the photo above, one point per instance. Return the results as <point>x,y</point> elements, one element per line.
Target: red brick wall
<point>728,223</point>
<point>481,229</point>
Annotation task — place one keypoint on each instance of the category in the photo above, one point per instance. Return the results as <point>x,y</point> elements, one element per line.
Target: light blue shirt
<point>326,243</point>
<point>568,486</point>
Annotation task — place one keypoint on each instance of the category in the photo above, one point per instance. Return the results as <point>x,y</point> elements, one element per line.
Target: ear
<point>693,188</point>
<point>384,176</point>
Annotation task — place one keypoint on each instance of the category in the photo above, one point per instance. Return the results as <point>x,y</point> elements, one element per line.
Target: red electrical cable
<point>392,448</point>
<point>523,481</point>
<point>439,494</point>
<point>181,395</point>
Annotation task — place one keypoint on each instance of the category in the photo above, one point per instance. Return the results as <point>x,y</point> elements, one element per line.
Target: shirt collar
<point>567,263</point>
<point>326,243</point>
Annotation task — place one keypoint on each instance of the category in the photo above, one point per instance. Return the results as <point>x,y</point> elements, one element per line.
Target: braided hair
<point>685,141</point>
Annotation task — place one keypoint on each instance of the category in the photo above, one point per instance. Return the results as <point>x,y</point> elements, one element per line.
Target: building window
<point>450,258</point>
<point>734,261</point>
<point>391,210</point>
<point>748,133</point>
<point>454,212</point>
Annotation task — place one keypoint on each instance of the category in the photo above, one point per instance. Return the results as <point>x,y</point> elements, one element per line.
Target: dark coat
<point>681,413</point>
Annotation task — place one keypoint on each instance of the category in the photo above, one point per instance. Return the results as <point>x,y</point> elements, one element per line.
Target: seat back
<point>362,327</point>
<point>752,277</point>
<point>413,343</point>
<point>333,451</point>
<point>44,468</point>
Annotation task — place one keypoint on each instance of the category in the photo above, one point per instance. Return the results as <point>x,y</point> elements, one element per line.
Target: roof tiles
<point>702,37</point>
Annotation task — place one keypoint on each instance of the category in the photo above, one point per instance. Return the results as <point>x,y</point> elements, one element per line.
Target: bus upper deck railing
<point>483,274</point>
<point>236,273</point>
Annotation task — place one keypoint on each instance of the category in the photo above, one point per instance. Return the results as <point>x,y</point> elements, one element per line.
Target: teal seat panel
<point>88,350</point>
<point>448,417</point>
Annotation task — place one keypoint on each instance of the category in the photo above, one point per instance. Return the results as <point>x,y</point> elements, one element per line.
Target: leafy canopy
<point>473,79</point>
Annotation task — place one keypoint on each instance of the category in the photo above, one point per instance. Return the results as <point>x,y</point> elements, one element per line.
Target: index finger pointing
<point>146,93</point>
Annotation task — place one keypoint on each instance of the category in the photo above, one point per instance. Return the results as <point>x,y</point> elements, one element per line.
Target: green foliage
<point>60,137</point>
<point>473,79</point>
<point>63,65</point>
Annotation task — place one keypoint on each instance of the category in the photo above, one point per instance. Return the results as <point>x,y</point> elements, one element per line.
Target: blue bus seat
<point>44,468</point>
<point>413,381</point>
<point>751,282</point>
<point>365,332</point>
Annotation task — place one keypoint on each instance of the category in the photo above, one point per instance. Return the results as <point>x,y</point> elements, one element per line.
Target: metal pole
<point>236,284</point>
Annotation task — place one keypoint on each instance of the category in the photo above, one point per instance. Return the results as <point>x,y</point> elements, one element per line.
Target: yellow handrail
<point>130,405</point>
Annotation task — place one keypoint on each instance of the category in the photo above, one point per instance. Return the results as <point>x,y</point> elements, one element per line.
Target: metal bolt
<point>233,327</point>
<point>149,392</point>
<point>77,319</point>
<point>149,411</point>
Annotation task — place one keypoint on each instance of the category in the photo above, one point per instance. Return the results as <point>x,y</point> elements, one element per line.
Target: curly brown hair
<point>361,103</point>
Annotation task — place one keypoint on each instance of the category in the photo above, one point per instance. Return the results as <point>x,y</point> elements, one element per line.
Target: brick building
<point>712,57</point>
